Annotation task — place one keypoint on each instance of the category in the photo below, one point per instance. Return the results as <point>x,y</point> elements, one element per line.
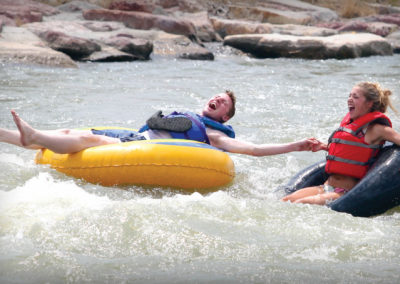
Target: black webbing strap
<point>334,158</point>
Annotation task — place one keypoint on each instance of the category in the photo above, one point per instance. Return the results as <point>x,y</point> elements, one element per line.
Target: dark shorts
<point>122,134</point>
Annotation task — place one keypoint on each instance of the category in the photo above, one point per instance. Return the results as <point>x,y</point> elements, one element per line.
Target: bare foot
<point>25,130</point>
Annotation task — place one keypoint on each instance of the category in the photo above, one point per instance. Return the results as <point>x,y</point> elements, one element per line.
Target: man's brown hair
<point>232,111</point>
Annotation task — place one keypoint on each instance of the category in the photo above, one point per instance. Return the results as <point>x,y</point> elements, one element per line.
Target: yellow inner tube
<point>186,164</point>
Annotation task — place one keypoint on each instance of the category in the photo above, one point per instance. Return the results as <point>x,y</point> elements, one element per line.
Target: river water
<point>57,229</point>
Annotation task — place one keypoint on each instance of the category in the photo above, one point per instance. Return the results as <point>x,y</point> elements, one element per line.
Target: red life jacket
<point>348,153</point>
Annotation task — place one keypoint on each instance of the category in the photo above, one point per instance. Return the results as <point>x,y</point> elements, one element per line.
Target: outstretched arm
<point>221,141</point>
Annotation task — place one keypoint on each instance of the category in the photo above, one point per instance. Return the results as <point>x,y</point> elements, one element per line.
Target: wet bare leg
<point>62,142</point>
<point>26,131</point>
<point>13,137</point>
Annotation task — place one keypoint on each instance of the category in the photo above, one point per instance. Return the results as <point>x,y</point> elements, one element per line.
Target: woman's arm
<point>378,132</point>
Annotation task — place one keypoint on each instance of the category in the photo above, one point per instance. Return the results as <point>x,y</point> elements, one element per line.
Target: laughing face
<point>358,104</point>
<point>218,107</point>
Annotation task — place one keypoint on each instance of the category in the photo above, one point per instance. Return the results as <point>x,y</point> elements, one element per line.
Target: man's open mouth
<point>213,106</point>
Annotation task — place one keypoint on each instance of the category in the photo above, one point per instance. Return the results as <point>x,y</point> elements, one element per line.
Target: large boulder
<point>109,54</point>
<point>204,29</point>
<point>353,26</point>
<point>100,3</point>
<point>6,21</point>
<point>339,46</point>
<point>233,27</point>
<point>96,26</point>
<point>378,28</point>
<point>18,45</point>
<point>168,45</point>
<point>110,33</point>
<point>73,46</point>
<point>25,11</point>
<point>80,39</point>
<point>194,52</point>
<point>383,9</point>
<point>137,6</point>
<point>82,29</point>
<point>76,6</point>
<point>301,30</point>
<point>138,47</point>
<point>143,21</point>
<point>390,19</point>
<point>226,27</point>
<point>188,6</point>
<point>280,12</point>
<point>382,29</point>
<point>394,39</point>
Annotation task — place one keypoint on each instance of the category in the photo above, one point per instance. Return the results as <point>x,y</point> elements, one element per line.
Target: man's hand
<point>311,144</point>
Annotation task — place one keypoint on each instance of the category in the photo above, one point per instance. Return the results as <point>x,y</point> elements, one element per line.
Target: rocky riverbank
<point>127,30</point>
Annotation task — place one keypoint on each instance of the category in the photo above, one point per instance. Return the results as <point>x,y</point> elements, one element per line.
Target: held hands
<point>311,144</point>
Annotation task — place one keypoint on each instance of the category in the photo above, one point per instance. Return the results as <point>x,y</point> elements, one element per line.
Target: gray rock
<point>394,39</point>
<point>18,45</point>
<point>164,44</point>
<point>382,29</point>
<point>196,53</point>
<point>281,12</point>
<point>389,19</point>
<point>77,6</point>
<point>75,47</point>
<point>97,26</point>
<point>337,46</point>
<point>138,47</point>
<point>233,27</point>
<point>145,21</point>
<point>385,9</point>
<point>204,29</point>
<point>109,54</point>
<point>300,30</point>
<point>363,24</point>
<point>6,21</point>
<point>25,11</point>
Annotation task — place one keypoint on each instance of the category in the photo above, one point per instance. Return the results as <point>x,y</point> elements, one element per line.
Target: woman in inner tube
<point>354,145</point>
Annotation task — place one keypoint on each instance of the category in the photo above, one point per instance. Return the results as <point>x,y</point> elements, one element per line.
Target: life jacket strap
<point>352,143</point>
<point>200,126</point>
<point>344,129</point>
<point>341,128</point>
<point>348,161</point>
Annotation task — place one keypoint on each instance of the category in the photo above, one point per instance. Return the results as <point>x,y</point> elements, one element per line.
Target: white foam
<point>12,159</point>
<point>43,191</point>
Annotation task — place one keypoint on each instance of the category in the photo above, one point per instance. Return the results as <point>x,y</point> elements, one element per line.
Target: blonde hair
<point>380,97</point>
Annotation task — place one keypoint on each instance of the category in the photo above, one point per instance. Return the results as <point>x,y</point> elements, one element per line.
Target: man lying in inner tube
<point>208,127</point>
<point>353,146</point>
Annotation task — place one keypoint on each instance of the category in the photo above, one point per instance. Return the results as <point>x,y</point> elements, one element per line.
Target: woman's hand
<point>311,144</point>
